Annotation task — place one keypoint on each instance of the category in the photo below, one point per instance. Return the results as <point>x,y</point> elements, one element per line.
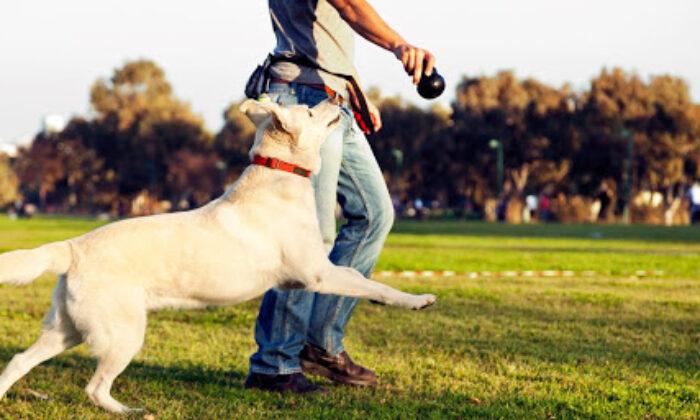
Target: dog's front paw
<point>423,301</point>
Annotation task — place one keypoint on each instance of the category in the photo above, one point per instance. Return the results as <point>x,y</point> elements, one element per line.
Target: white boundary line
<point>512,273</point>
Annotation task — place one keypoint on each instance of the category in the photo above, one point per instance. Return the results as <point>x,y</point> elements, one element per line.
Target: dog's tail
<point>23,266</point>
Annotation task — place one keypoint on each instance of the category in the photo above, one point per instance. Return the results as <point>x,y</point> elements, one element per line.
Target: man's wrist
<point>396,44</point>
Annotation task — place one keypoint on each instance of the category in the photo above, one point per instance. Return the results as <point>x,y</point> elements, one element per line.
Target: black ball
<point>432,86</point>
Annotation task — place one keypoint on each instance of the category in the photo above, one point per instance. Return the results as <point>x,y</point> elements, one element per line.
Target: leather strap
<point>358,101</point>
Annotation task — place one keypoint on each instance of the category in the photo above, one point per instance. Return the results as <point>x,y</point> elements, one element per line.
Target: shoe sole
<point>314,369</point>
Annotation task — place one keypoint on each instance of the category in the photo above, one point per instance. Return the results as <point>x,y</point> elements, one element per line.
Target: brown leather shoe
<point>295,383</point>
<point>338,368</point>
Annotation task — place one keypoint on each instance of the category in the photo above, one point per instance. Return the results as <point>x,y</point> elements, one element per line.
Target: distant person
<point>468,207</point>
<point>314,61</point>
<point>693,196</point>
<point>396,203</point>
<point>11,212</point>
<point>501,209</point>
<point>545,208</point>
<point>121,209</point>
<point>19,208</point>
<point>604,197</point>
<point>420,209</point>
<point>531,202</point>
<point>29,210</point>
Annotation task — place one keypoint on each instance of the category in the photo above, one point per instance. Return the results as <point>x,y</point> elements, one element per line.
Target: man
<point>300,331</point>
<point>693,195</point>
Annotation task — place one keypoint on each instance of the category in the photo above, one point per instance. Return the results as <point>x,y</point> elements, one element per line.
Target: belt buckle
<point>273,163</point>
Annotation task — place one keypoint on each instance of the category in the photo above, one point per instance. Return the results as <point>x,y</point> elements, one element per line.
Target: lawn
<point>606,346</point>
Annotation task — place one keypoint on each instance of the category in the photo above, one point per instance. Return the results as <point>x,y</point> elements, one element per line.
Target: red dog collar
<point>275,163</point>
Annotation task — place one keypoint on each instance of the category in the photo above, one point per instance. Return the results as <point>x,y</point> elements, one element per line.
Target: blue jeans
<point>350,176</point>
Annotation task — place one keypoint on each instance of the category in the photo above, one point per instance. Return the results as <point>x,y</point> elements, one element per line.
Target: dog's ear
<point>259,111</point>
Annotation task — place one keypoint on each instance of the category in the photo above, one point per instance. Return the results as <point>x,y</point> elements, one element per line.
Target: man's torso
<point>312,30</point>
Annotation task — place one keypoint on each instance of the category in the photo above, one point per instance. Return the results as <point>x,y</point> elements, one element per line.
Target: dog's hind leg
<point>59,334</point>
<point>347,281</point>
<point>114,350</point>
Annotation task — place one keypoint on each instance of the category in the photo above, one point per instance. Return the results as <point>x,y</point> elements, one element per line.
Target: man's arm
<point>364,20</point>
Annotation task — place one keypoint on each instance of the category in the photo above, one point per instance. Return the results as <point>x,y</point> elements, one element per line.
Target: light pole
<point>496,144</point>
<point>627,186</point>
<point>397,154</point>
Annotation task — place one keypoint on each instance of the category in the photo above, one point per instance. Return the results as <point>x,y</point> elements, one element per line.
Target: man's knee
<point>383,218</point>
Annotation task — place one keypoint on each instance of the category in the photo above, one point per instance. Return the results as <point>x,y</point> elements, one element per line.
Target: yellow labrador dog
<point>261,233</point>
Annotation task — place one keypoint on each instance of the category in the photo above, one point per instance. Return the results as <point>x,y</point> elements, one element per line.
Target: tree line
<point>140,142</point>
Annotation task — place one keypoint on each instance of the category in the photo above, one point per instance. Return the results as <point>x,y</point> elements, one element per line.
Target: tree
<point>407,150</point>
<point>9,182</point>
<point>139,137</point>
<point>664,130</point>
<point>137,126</point>
<point>234,140</point>
<point>40,168</point>
<point>196,175</point>
<point>140,125</point>
<point>533,122</point>
<point>64,165</point>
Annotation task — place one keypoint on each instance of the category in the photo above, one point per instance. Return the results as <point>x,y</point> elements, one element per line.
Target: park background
<point>620,140</point>
<point>120,108</point>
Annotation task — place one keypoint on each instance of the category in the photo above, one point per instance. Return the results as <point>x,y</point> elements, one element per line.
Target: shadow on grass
<point>186,373</point>
<point>143,382</point>
<point>493,330</point>
<point>212,393</point>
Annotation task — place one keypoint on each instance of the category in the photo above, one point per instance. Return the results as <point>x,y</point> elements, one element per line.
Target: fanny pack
<point>260,79</point>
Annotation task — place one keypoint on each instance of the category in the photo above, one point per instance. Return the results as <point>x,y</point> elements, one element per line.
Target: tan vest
<point>313,30</point>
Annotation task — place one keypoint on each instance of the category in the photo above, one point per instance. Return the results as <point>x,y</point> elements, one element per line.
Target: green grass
<point>482,246</point>
<point>610,346</point>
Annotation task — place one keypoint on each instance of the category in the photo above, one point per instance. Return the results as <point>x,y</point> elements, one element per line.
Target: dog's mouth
<point>334,121</point>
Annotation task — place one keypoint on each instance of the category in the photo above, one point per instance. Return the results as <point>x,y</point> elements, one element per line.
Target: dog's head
<point>292,133</point>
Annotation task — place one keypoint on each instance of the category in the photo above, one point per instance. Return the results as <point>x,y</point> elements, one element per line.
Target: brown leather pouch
<point>257,81</point>
<point>360,108</point>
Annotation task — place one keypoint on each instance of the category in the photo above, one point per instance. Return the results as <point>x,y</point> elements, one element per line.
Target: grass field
<point>609,346</point>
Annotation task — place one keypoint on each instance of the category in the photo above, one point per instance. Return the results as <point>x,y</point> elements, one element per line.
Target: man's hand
<point>414,60</point>
<point>375,115</point>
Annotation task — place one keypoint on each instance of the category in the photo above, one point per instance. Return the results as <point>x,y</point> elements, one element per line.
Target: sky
<point>51,51</point>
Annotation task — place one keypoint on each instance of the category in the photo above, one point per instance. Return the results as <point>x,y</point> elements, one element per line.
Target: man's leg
<point>367,207</point>
<point>282,323</point>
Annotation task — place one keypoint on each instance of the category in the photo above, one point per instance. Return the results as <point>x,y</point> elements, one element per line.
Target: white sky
<point>51,51</point>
